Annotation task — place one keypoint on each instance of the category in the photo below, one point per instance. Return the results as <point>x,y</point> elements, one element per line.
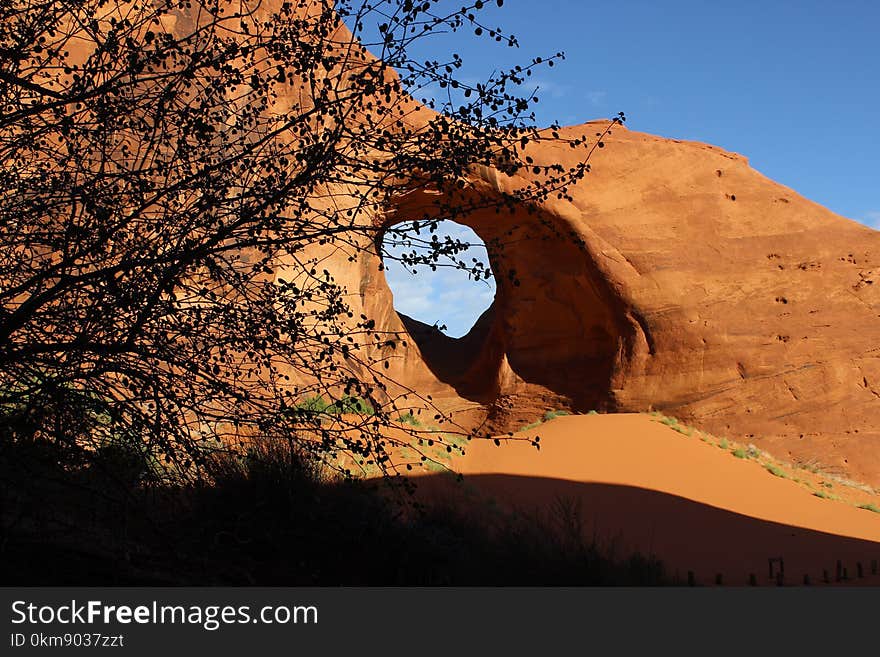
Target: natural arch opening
<point>449,292</point>
<point>443,290</point>
<point>556,331</point>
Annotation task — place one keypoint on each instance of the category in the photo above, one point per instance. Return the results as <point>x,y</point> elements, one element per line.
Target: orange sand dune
<point>694,506</point>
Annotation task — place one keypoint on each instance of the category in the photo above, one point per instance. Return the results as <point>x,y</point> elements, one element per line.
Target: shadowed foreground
<point>272,521</point>
<point>607,500</point>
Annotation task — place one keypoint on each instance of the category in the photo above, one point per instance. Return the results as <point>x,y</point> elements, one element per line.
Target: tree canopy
<point>173,172</point>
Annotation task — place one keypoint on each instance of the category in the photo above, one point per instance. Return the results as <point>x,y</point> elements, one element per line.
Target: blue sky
<point>792,85</point>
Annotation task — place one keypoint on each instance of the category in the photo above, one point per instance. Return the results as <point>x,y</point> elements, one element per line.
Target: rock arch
<point>660,285</point>
<point>556,334</point>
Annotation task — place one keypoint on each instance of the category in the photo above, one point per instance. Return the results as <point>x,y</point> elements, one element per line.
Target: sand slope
<point>695,506</point>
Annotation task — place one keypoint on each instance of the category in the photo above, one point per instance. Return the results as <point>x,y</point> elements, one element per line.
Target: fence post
<point>771,561</point>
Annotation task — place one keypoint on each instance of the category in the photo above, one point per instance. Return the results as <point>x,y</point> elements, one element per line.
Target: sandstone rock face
<point>677,279</point>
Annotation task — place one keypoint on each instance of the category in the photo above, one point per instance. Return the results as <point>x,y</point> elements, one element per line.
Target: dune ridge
<point>696,507</point>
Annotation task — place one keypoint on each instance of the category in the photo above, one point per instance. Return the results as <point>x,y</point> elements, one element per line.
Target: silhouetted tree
<point>167,168</point>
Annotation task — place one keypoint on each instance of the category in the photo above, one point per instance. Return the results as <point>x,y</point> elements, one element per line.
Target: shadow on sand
<point>686,536</point>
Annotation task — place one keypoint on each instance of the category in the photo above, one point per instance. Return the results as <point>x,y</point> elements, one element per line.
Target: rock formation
<point>674,278</point>
<point>678,279</point>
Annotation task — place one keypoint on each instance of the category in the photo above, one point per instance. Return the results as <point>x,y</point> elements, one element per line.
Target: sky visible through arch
<point>794,85</point>
<point>447,297</point>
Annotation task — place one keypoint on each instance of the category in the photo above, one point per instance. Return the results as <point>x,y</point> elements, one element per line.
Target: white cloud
<point>411,292</point>
<point>446,296</point>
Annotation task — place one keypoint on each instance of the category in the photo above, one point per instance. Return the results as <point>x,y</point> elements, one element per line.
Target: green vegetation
<point>870,507</point>
<point>673,424</point>
<point>739,453</point>
<point>441,449</point>
<point>431,450</point>
<point>410,419</point>
<point>347,404</point>
<point>549,415</point>
<point>775,470</point>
